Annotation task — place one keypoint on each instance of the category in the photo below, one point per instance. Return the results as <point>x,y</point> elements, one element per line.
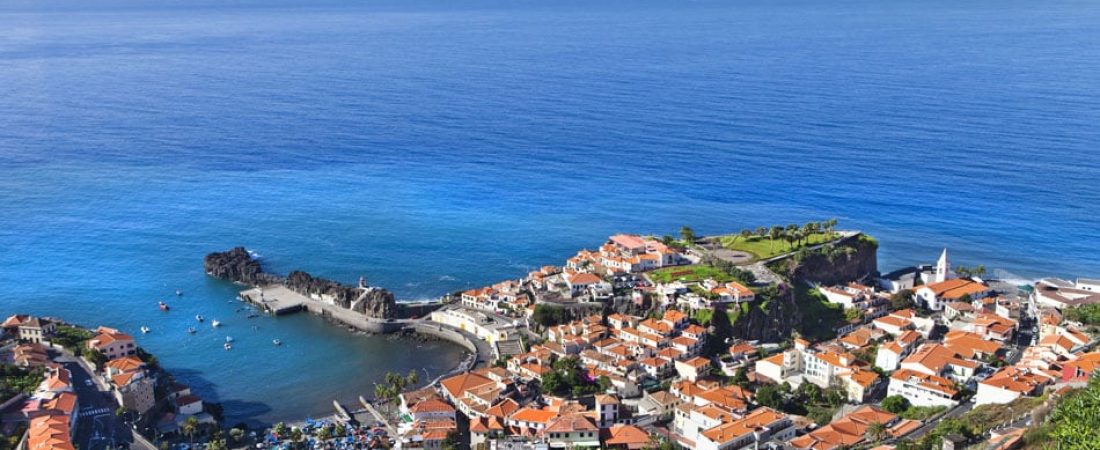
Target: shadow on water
<point>237,410</point>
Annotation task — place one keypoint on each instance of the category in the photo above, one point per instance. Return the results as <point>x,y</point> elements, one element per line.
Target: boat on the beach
<point>276,341</point>
<point>227,346</point>
<point>215,323</point>
<point>163,306</point>
<point>145,329</point>
<point>200,318</point>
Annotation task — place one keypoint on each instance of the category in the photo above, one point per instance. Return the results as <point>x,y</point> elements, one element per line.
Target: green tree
<point>280,429</point>
<point>770,396</point>
<point>875,431</point>
<point>1076,418</point>
<point>217,444</point>
<point>902,299</point>
<point>95,357</point>
<point>412,378</point>
<point>324,434</point>
<point>773,235</point>
<point>189,428</point>
<point>687,234</point>
<point>895,404</point>
<point>547,315</point>
<point>237,435</point>
<point>341,430</point>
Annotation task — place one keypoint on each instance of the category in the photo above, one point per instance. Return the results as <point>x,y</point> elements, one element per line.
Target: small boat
<point>227,346</point>
<point>191,330</point>
<point>215,323</point>
<point>276,342</point>
<point>228,339</point>
<point>145,329</point>
<point>179,293</point>
<point>252,316</point>
<point>163,306</point>
<point>200,318</point>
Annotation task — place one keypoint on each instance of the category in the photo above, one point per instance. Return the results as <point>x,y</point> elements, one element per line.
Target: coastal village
<point>781,338</point>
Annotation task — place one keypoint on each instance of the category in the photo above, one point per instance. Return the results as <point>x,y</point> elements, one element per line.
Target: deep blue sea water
<point>437,147</point>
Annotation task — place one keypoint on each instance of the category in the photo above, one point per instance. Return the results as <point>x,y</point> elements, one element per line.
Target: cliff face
<point>791,307</point>
<point>771,322</point>
<point>238,265</point>
<point>851,260</point>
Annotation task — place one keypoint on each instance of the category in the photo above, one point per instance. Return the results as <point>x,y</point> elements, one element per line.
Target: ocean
<point>432,147</point>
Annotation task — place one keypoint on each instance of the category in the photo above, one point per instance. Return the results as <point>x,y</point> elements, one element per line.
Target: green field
<point>764,248</point>
<point>689,273</point>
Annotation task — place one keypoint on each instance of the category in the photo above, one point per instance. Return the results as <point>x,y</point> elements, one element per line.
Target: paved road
<point>97,426</point>
<point>954,412</point>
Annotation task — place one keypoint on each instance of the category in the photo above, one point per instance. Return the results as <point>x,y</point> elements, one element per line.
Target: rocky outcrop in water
<point>239,266</point>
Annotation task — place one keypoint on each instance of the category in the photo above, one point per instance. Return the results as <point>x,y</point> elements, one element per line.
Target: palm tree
<point>774,235</point>
<point>875,431</point>
<point>830,224</point>
<point>761,231</point>
<point>745,233</point>
<point>190,426</point>
<point>687,234</point>
<point>978,271</point>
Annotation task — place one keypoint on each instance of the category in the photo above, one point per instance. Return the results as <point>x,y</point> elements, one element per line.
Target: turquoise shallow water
<point>437,148</point>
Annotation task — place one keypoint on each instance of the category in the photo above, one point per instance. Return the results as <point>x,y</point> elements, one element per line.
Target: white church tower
<point>943,269</point>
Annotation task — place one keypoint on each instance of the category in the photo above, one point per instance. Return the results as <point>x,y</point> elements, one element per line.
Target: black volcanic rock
<point>237,265</point>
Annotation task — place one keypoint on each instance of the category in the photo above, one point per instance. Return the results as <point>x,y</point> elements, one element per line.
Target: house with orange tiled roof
<point>824,365</point>
<point>473,392</point>
<point>992,326</point>
<point>970,345</point>
<point>572,431</point>
<point>30,355</point>
<point>112,343</point>
<point>892,324</point>
<point>52,431</point>
<point>134,390</point>
<point>530,420</point>
<point>484,429</point>
<point>1010,383</point>
<point>939,360</point>
<point>922,389</point>
<point>1081,367</point>
<point>427,434</point>
<point>432,409</point>
<point>935,295</point>
<point>29,328</point>
<point>58,379</point>
<point>656,367</point>
<point>123,365</point>
<point>851,430</point>
<point>889,355</point>
<point>1060,345</point>
<point>626,437</point>
<point>693,369</point>
<point>758,427</point>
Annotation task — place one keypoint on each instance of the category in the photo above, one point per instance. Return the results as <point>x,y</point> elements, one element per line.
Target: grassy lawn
<point>689,273</point>
<point>764,248</point>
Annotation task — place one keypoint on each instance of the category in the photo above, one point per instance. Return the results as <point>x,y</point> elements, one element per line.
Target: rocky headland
<point>238,265</point>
